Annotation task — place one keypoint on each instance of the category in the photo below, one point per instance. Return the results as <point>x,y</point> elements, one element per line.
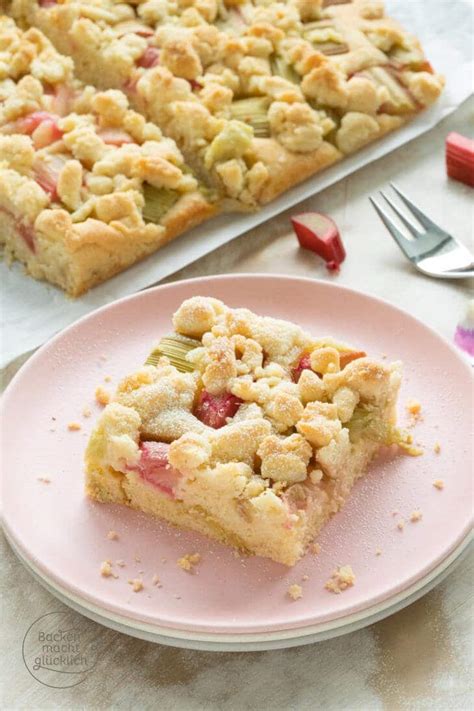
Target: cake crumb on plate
<point>438,484</point>
<point>437,448</point>
<point>74,426</point>
<point>112,536</point>
<point>401,524</point>
<point>341,579</point>
<point>295,591</point>
<point>378,551</point>
<point>102,396</point>
<point>155,579</point>
<point>120,563</point>
<point>87,412</point>
<point>188,561</point>
<point>416,516</point>
<point>136,583</point>
<point>106,569</point>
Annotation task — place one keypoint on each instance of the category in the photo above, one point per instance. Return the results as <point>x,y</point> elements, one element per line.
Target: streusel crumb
<point>438,484</point>
<point>106,568</point>
<point>188,561</point>
<point>304,578</point>
<point>416,516</point>
<point>112,535</point>
<point>155,580</point>
<point>102,396</point>
<point>120,563</point>
<point>295,591</point>
<point>108,378</point>
<point>414,407</point>
<point>437,448</point>
<point>314,548</point>
<point>136,583</point>
<point>378,551</point>
<point>87,412</point>
<point>401,525</point>
<point>74,426</point>
<point>341,579</point>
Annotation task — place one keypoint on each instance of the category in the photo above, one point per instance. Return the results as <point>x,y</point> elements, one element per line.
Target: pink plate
<point>63,536</point>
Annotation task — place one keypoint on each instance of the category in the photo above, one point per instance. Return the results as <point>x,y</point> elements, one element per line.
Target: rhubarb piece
<point>150,58</point>
<point>319,233</point>
<point>175,348</point>
<point>460,158</point>
<point>399,100</point>
<point>157,202</point>
<point>47,172</point>
<point>254,112</point>
<point>154,467</point>
<point>283,69</point>
<point>303,364</point>
<point>115,136</point>
<point>214,410</point>
<point>349,356</point>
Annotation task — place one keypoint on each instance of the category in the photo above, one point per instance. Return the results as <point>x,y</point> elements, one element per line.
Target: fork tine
<point>408,223</point>
<point>404,244</point>
<point>420,216</point>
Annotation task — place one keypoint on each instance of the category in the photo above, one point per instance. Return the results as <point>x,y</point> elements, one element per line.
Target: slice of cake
<point>87,186</point>
<point>244,428</point>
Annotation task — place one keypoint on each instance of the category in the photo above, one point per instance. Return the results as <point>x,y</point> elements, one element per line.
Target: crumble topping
<point>437,448</point>
<point>438,484</point>
<point>106,569</point>
<point>295,591</point>
<point>416,516</point>
<point>341,579</point>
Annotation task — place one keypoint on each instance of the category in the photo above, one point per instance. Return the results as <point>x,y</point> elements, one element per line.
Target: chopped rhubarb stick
<point>46,133</point>
<point>27,233</point>
<point>62,99</point>
<point>154,467</point>
<point>214,410</point>
<point>150,58</point>
<point>349,356</point>
<point>304,364</point>
<point>47,174</point>
<point>28,124</point>
<point>460,158</point>
<point>319,233</point>
<point>115,136</point>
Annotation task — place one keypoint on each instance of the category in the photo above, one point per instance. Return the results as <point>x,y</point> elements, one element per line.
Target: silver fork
<point>432,250</point>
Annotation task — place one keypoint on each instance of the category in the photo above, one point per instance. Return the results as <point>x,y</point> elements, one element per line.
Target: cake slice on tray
<point>87,186</point>
<point>244,428</point>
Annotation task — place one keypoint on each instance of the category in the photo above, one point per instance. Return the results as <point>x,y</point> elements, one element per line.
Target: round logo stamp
<point>57,653</point>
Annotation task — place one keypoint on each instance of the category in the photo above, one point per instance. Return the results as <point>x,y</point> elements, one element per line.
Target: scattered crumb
<point>416,516</point>
<point>112,536</point>
<point>163,560</point>
<point>414,407</point>
<point>188,561</point>
<point>341,579</point>
<point>401,524</point>
<point>155,579</point>
<point>378,551</point>
<point>106,569</point>
<point>44,480</point>
<point>438,484</point>
<point>136,583</point>
<point>314,548</point>
<point>120,563</point>
<point>295,591</point>
<point>437,448</point>
<point>74,426</point>
<point>102,396</point>
<point>137,559</point>
<point>87,412</point>
<point>107,378</point>
<point>304,578</point>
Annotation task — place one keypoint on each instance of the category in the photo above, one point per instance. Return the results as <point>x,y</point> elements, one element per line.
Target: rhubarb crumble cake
<point>257,94</point>
<point>244,428</point>
<point>87,186</point>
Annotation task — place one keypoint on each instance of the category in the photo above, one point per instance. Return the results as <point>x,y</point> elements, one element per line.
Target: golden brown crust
<point>288,169</point>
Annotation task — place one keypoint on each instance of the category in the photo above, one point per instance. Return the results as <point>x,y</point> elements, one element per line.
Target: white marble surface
<point>420,658</point>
